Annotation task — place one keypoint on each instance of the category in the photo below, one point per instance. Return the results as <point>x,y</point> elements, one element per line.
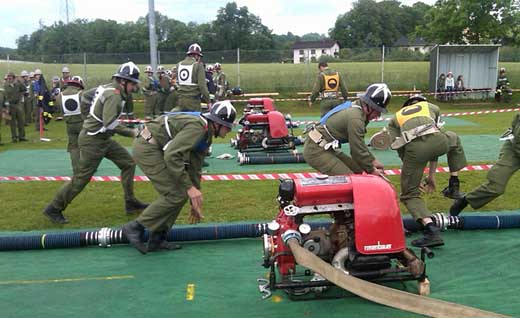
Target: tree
<point>474,22</point>
<point>238,28</point>
<point>368,23</point>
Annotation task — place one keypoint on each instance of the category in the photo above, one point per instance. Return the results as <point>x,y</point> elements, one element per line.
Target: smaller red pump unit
<point>264,128</point>
<point>366,238</point>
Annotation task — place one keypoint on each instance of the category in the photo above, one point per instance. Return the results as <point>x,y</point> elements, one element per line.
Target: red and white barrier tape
<point>228,177</point>
<point>470,113</point>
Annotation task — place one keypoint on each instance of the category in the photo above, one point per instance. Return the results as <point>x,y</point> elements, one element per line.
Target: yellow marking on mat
<point>63,280</point>
<point>276,299</point>
<point>190,291</point>
<point>43,240</point>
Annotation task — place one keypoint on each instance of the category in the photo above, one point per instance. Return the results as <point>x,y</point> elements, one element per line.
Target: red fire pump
<point>366,238</point>
<point>263,128</point>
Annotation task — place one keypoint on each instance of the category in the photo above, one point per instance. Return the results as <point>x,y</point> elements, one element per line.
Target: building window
<point>313,51</point>
<point>301,52</point>
<point>323,51</point>
<point>302,59</point>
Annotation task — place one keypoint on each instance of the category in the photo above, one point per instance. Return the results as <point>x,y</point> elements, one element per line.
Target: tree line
<point>367,24</point>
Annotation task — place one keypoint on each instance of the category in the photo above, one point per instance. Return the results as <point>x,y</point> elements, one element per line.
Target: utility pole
<point>67,10</point>
<point>152,34</point>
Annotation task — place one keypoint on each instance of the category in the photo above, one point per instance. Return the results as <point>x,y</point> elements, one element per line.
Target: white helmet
<point>38,72</point>
<point>24,73</point>
<point>217,66</point>
<point>76,80</point>
<point>169,73</point>
<point>160,69</point>
<point>65,70</point>
<point>194,49</point>
<point>148,69</point>
<point>31,74</point>
<point>209,68</point>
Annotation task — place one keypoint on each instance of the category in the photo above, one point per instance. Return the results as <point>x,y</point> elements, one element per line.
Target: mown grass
<point>101,204</point>
<point>284,78</point>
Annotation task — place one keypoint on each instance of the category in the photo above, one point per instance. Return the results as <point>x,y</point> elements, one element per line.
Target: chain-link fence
<point>282,71</point>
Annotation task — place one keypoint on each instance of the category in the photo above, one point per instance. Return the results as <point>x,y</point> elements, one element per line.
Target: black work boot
<point>134,232</point>
<point>431,238</point>
<point>158,242</point>
<point>458,206</point>
<point>54,215</point>
<point>452,191</point>
<point>134,206</point>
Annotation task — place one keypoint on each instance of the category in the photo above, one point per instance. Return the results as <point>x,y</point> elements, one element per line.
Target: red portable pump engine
<point>263,128</point>
<point>366,238</point>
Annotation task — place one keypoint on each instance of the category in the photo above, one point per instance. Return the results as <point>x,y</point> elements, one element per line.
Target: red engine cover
<point>277,125</point>
<point>332,190</point>
<point>377,217</point>
<point>257,118</point>
<point>268,103</point>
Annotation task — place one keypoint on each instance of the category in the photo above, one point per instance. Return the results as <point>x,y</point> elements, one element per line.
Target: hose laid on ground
<point>382,294</point>
<point>271,158</point>
<point>106,236</point>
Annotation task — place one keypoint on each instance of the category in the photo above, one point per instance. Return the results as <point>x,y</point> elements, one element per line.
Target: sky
<point>297,16</point>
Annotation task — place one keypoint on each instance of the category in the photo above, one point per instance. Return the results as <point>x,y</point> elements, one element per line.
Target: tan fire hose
<point>382,294</point>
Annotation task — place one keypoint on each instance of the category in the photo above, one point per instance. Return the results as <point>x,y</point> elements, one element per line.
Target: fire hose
<point>270,158</point>
<point>382,294</point>
<point>106,237</point>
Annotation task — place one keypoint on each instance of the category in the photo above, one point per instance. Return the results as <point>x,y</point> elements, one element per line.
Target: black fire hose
<point>271,158</point>
<point>106,237</point>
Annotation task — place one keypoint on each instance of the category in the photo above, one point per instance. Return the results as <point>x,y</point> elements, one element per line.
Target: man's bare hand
<point>195,216</point>
<point>429,185</point>
<point>196,198</point>
<point>377,164</point>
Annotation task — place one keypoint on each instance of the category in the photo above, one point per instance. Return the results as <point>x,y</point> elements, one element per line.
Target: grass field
<point>283,78</point>
<point>101,204</point>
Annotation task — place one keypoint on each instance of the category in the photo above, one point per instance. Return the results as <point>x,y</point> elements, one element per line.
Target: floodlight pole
<point>152,34</point>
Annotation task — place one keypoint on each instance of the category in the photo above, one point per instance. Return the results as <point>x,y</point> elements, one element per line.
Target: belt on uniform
<point>329,94</point>
<point>147,136</point>
<point>408,135</point>
<point>318,138</point>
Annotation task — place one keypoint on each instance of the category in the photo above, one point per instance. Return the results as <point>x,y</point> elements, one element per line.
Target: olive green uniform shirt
<point>197,87</point>
<point>319,84</point>
<point>184,162</point>
<point>108,109</point>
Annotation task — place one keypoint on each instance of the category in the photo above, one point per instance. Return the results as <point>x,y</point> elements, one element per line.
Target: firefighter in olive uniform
<point>70,101</point>
<point>28,97</point>
<point>170,151</point>
<point>95,143</point>
<point>14,91</point>
<point>347,123</point>
<point>418,140</point>
<point>219,78</point>
<point>163,89</point>
<point>191,81</point>
<point>3,110</point>
<point>150,88</point>
<point>328,85</point>
<point>498,176</point>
